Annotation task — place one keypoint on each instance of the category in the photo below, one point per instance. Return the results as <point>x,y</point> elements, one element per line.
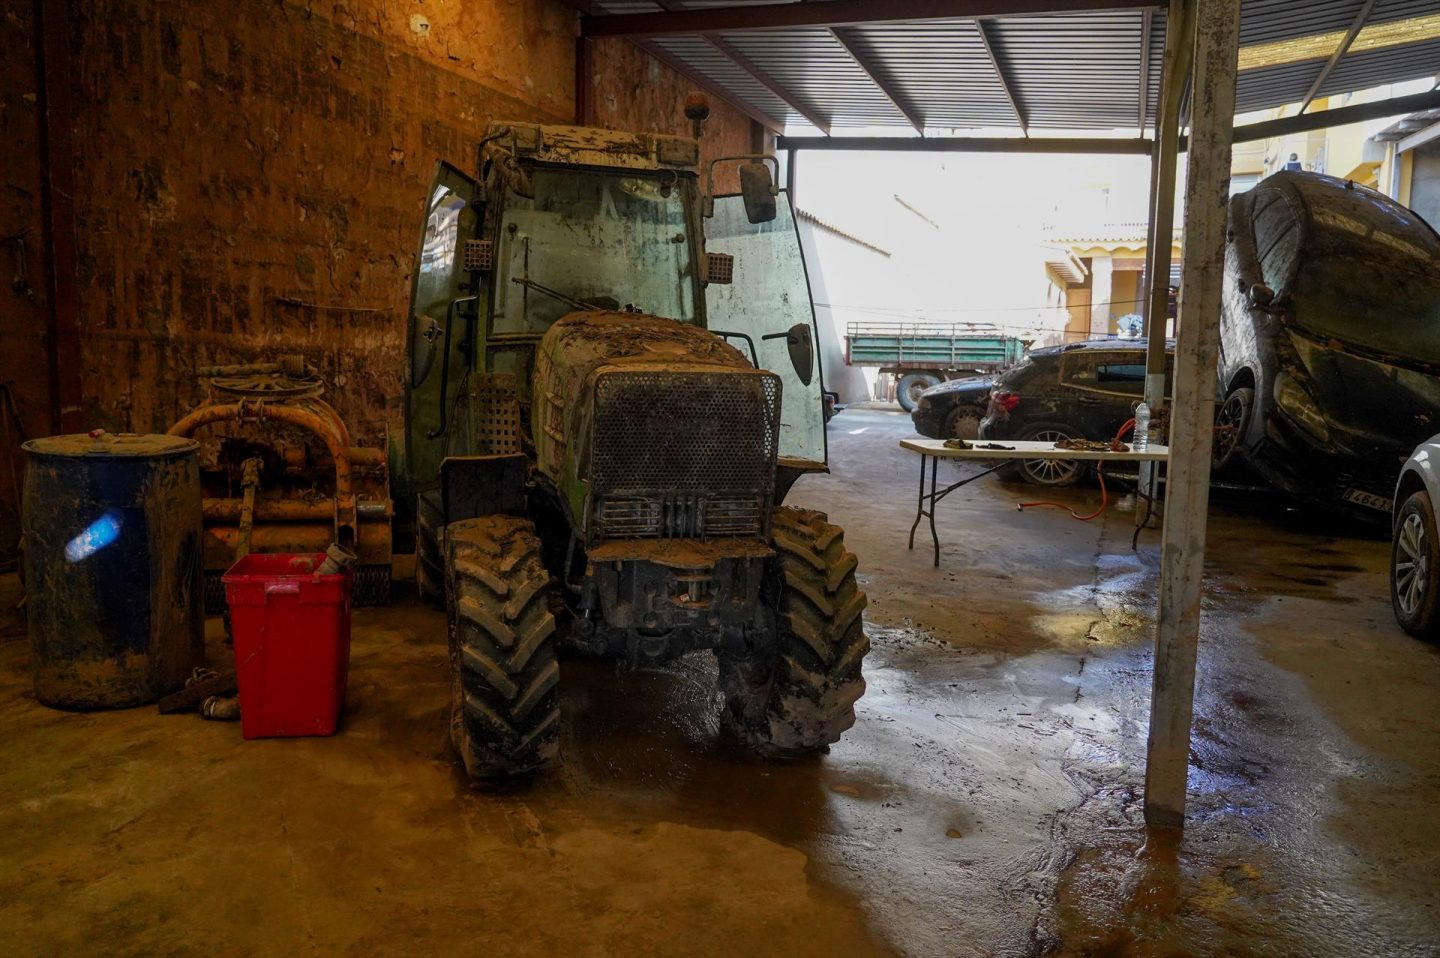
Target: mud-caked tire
<point>505,706</point>
<point>796,695</point>
<point>430,548</point>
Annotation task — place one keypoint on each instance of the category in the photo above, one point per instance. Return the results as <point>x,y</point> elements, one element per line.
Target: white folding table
<point>933,450</point>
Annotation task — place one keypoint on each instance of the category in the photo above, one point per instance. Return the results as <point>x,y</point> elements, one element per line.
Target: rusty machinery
<point>286,476</point>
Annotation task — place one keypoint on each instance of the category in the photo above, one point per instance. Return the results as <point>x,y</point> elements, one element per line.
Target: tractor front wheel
<point>505,707</point>
<point>796,694</point>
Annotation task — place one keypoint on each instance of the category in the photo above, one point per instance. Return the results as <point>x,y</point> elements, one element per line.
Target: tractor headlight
<point>1297,403</point>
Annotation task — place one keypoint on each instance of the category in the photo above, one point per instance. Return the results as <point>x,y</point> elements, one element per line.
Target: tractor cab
<point>564,220</point>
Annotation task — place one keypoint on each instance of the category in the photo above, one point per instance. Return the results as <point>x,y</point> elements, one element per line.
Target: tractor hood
<point>652,428</point>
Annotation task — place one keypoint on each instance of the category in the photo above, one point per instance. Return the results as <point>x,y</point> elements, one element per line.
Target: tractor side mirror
<point>758,191</point>
<point>757,186</point>
<point>1261,296</point>
<point>801,343</point>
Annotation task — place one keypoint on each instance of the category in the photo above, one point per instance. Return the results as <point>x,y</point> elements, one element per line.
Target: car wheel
<point>1231,424</point>
<point>1414,564</point>
<point>1049,472</point>
<point>911,385</point>
<point>963,422</point>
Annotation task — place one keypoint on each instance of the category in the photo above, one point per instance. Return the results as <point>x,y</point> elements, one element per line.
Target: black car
<point>953,410</point>
<point>1076,391</point>
<point>1329,339</point>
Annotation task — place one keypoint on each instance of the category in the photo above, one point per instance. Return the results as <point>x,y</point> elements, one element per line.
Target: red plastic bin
<point>291,629</point>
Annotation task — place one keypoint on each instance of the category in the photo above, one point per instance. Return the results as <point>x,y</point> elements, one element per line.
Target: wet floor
<point>987,802</point>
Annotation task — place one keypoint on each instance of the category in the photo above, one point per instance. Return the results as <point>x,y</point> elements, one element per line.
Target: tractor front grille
<point>683,454</point>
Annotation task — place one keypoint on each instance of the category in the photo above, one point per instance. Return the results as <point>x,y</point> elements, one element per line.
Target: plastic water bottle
<point>1142,427</point>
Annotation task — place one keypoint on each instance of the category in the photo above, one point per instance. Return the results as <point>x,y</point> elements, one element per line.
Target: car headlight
<point>1300,406</point>
<point>923,405</point>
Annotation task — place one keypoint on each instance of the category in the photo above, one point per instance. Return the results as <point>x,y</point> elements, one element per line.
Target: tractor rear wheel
<point>505,706</point>
<point>798,695</point>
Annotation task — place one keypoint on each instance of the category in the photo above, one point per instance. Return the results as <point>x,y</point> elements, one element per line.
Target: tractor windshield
<point>608,240</point>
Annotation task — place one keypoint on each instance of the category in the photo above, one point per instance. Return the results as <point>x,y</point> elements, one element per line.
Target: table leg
<point>919,502</point>
<point>934,536</point>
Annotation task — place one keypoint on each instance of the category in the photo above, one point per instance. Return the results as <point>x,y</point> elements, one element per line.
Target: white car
<point>1415,543</point>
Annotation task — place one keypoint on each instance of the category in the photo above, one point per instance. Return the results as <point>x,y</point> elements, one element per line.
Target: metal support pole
<point>1164,159</point>
<point>1182,561</point>
<point>1179,44</point>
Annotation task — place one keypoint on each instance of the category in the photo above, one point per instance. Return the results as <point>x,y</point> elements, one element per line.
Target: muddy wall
<point>249,174</point>
<point>24,383</point>
<point>632,90</point>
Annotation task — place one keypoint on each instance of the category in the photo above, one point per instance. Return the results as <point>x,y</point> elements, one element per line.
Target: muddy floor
<point>987,803</point>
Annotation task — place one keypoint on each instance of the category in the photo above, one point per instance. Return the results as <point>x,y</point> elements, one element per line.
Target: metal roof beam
<point>1304,122</point>
<point>1340,51</point>
<point>1001,76</point>
<point>1394,106</point>
<point>766,80</point>
<point>832,13</point>
<point>876,77</point>
<point>965,144</point>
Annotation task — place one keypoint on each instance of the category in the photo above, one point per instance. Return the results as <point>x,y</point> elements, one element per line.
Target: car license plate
<point>1362,498</point>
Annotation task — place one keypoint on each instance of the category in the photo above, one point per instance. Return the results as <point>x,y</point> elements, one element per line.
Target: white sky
<point>982,258</point>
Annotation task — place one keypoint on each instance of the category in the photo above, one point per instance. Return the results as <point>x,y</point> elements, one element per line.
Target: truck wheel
<point>429,548</point>
<point>504,706</point>
<point>963,423</point>
<point>798,695</point>
<point>911,385</point>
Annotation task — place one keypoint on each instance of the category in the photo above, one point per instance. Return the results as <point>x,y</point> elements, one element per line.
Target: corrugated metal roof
<point>1364,69</point>
<point>1079,71</point>
<point>1269,86</point>
<point>1271,21</point>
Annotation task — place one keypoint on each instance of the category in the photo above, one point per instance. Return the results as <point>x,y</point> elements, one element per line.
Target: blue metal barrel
<point>112,567</point>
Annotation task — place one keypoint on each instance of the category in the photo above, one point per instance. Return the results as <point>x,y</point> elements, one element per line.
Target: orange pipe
<point>295,416</point>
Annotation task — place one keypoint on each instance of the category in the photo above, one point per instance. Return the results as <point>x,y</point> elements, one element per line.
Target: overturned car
<point>1329,367</point>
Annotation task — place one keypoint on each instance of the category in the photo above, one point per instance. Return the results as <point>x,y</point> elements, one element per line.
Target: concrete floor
<point>986,803</point>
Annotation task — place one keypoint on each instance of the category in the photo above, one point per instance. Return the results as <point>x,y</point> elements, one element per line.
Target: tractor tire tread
<point>802,699</point>
<point>505,709</point>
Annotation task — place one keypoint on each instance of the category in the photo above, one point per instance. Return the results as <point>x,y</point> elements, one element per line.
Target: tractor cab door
<point>768,298</point>
<point>440,337</point>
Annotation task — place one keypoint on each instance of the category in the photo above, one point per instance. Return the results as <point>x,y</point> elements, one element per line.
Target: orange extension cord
<point>1104,495</point>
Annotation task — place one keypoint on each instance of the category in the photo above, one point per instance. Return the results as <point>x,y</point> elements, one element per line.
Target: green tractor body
<point>612,385</point>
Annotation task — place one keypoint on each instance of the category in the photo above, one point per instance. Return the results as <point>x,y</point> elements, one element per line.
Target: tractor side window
<point>769,295</point>
<point>590,240</point>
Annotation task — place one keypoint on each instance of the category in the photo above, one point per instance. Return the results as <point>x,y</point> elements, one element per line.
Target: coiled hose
<point>1128,426</point>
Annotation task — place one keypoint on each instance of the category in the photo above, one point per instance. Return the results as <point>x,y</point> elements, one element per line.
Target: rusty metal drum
<point>112,567</point>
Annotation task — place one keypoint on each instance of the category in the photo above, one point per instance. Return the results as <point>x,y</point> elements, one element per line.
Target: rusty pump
<point>268,491</point>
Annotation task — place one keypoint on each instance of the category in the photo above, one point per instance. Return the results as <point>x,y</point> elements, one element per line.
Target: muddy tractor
<point>613,384</point>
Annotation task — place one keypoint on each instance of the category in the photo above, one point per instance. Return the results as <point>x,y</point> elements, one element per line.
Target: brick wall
<point>257,175</point>
<point>632,90</point>
<point>24,383</point>
<point>249,175</point>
